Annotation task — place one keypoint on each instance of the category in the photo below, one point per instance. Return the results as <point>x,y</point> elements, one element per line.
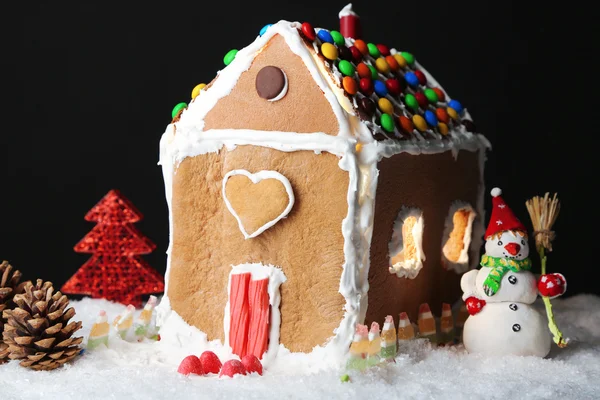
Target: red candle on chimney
<point>349,23</point>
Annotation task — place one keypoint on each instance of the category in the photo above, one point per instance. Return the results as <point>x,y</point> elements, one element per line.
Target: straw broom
<point>543,212</point>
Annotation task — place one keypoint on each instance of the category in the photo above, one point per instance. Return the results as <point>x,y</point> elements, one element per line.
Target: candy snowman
<point>499,296</point>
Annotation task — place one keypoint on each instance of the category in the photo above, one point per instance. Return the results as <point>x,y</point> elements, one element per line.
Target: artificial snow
<point>148,370</point>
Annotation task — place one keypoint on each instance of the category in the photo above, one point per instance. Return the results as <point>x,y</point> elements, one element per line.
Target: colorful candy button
<point>178,107</point>
<point>430,118</point>
<point>406,124</point>
<point>385,106</point>
<point>349,85</point>
<point>440,94</point>
<point>401,61</point>
<point>308,31</point>
<point>380,88</point>
<point>264,29</point>
<point>197,89</point>
<point>345,53</point>
<point>361,46</point>
<point>383,49</point>
<point>442,115</point>
<point>411,102</point>
<point>469,125</point>
<point>374,74</point>
<point>337,38</point>
<point>452,112</point>
<point>410,59</point>
<point>431,95</point>
<point>419,123</point>
<point>329,51</point>
<point>443,128</point>
<point>363,70</point>
<point>411,79</point>
<point>230,56</point>
<point>373,50</point>
<point>382,66</point>
<point>366,86</point>
<point>346,68</point>
<point>356,54</point>
<point>387,122</point>
<point>325,36</point>
<point>394,66</point>
<point>455,104</point>
<point>393,86</point>
<point>421,77</point>
<point>421,99</point>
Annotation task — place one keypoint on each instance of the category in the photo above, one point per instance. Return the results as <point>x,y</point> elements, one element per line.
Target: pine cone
<point>10,285</point>
<point>38,330</point>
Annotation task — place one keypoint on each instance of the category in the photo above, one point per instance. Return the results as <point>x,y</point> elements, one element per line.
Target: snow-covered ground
<point>148,371</point>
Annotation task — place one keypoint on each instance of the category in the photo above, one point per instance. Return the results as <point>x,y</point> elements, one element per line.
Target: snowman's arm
<point>467,284</point>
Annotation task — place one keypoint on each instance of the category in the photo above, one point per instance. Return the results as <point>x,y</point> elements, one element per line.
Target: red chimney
<point>349,23</point>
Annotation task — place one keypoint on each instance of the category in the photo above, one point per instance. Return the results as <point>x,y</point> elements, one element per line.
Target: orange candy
<point>363,70</point>
<point>362,47</point>
<point>442,115</point>
<point>441,96</point>
<point>419,123</point>
<point>406,124</point>
<point>392,63</point>
<point>349,85</point>
<point>443,128</point>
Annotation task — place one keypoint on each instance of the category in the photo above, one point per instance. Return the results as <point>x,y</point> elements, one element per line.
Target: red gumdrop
<point>191,365</point>
<point>231,368</point>
<point>210,362</point>
<point>252,364</point>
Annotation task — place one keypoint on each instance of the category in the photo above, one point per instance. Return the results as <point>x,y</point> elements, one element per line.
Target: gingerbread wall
<point>307,245</point>
<point>430,183</point>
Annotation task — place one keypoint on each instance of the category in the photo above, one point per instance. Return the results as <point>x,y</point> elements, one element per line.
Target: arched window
<point>456,239</point>
<point>406,247</point>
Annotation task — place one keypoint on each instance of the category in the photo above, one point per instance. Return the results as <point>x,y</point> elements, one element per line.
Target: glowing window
<point>406,247</point>
<point>456,239</point>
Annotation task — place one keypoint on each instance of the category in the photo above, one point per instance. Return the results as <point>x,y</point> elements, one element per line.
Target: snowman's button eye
<point>516,328</point>
<point>271,83</point>
<point>499,242</point>
<point>512,279</point>
<point>513,307</point>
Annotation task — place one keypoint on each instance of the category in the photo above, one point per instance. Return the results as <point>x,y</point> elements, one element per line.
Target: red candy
<point>440,94</point>
<point>383,49</point>
<point>191,365</point>
<point>474,305</point>
<point>552,285</point>
<point>231,368</point>
<point>366,87</point>
<point>210,362</point>
<point>421,77</point>
<point>442,115</point>
<point>252,364</point>
<point>406,124</point>
<point>393,86</point>
<point>421,99</point>
<point>308,31</point>
<point>356,54</point>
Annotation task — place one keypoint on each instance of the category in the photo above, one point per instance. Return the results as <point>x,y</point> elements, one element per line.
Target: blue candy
<point>380,88</point>
<point>325,36</point>
<point>264,29</point>
<point>411,79</point>
<point>431,118</point>
<point>455,104</point>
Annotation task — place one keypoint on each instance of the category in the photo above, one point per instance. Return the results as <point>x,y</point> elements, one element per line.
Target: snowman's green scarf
<point>500,266</point>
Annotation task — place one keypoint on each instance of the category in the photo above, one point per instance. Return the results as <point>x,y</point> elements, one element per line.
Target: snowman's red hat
<point>502,218</point>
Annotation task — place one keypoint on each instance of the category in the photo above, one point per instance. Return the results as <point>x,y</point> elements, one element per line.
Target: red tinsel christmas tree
<point>115,271</point>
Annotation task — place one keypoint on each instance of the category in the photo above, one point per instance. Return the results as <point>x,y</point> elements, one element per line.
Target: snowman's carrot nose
<point>513,248</point>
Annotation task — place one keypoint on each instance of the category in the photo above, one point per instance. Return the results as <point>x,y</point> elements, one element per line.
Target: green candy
<point>345,378</point>
<point>408,57</point>
<point>411,101</point>
<point>337,38</point>
<point>387,122</point>
<point>178,108</point>
<point>346,68</point>
<point>229,56</point>
<point>431,95</point>
<point>373,50</point>
<point>374,73</point>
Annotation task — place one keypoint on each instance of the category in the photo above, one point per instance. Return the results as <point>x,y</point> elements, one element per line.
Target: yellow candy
<point>382,65</point>
<point>386,106</point>
<point>358,147</point>
<point>419,123</point>
<point>400,60</point>
<point>197,89</point>
<point>452,113</point>
<point>329,51</point>
<point>443,128</point>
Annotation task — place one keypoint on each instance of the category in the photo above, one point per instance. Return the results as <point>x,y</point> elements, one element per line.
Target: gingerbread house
<point>319,181</point>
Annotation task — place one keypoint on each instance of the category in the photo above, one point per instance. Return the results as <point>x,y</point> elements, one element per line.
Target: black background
<point>88,89</point>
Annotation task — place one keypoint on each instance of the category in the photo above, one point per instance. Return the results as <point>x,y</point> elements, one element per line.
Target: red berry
<point>421,77</point>
<point>231,368</point>
<point>252,364</point>
<point>308,31</point>
<point>191,365</point>
<point>210,362</point>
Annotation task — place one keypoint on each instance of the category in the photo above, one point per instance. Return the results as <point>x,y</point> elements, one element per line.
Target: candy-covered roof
<point>386,89</point>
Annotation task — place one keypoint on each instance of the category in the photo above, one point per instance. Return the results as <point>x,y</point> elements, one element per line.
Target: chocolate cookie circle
<point>271,83</point>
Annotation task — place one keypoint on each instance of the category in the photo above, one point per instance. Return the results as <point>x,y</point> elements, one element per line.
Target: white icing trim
<point>276,278</point>
<point>347,10</point>
<point>283,90</point>
<point>408,268</point>
<point>255,178</point>
<point>462,264</point>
